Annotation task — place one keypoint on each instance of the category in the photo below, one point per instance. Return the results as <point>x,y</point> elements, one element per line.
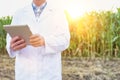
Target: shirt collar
<point>39,7</point>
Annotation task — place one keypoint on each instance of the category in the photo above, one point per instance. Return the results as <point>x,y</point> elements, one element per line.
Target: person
<point>41,59</point>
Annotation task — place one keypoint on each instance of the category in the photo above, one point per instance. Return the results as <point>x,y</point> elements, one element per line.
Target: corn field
<point>94,34</point>
<point>3,21</point>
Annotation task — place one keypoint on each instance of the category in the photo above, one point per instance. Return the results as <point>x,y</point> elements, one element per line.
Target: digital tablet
<point>18,30</point>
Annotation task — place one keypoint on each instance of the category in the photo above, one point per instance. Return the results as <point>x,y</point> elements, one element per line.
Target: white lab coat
<point>44,62</point>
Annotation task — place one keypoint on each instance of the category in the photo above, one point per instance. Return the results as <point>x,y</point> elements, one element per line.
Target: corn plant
<point>95,34</point>
<point>3,21</point>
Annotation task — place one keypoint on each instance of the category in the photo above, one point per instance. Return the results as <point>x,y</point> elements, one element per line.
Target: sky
<point>8,7</point>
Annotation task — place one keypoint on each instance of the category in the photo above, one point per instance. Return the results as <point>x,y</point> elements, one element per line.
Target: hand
<point>37,40</point>
<point>17,43</point>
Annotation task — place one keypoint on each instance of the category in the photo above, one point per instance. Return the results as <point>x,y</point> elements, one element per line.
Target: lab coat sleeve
<point>59,41</point>
<point>11,53</point>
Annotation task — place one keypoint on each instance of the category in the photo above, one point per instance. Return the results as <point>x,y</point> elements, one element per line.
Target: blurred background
<point>94,25</point>
<point>94,51</point>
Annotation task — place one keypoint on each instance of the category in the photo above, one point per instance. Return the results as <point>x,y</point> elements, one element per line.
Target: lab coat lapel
<point>46,12</point>
<point>30,13</point>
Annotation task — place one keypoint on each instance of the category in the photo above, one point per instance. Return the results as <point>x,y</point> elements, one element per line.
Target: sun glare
<point>74,9</point>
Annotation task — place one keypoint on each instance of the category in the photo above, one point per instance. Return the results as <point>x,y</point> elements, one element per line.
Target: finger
<point>34,36</point>
<point>17,43</point>
<point>35,43</point>
<point>34,40</point>
<point>19,46</point>
<point>15,39</point>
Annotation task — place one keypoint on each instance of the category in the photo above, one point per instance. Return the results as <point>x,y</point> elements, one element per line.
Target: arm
<point>16,43</point>
<point>56,42</point>
<point>59,41</point>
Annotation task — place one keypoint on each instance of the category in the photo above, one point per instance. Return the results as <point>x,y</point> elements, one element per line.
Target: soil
<point>73,68</point>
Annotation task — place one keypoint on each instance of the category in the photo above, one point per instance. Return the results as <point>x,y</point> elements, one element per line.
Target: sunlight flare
<point>74,9</point>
